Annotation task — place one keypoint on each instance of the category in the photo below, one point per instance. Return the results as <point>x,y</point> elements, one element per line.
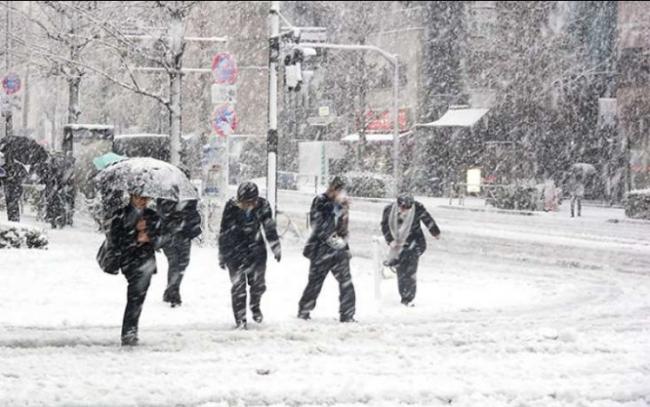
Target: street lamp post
<point>272,135</point>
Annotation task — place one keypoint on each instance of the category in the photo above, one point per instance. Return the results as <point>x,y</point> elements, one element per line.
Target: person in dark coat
<point>13,184</point>
<point>134,236</point>
<point>181,222</point>
<point>68,188</point>
<point>243,251</point>
<point>400,225</point>
<point>328,251</point>
<point>54,192</point>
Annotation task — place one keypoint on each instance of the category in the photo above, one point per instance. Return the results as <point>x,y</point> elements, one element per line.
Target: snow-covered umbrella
<point>147,177</point>
<point>23,155</point>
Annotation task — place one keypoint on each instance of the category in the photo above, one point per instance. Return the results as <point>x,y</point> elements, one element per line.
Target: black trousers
<point>139,278</point>
<point>337,262</point>
<point>576,201</point>
<point>177,252</point>
<point>407,269</point>
<point>13,194</point>
<point>251,272</point>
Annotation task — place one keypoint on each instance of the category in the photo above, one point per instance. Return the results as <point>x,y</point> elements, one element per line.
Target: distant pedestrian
<point>134,236</point>
<point>180,223</point>
<point>247,220</point>
<point>68,187</point>
<point>328,251</point>
<point>400,225</point>
<point>54,196</point>
<point>577,191</point>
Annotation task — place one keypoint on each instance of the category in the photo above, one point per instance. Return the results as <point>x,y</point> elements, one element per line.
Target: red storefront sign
<point>382,122</point>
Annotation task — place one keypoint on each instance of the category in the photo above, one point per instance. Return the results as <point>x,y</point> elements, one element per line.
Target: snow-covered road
<point>511,311</point>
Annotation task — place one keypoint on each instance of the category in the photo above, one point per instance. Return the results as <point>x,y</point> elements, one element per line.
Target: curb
<point>499,211</point>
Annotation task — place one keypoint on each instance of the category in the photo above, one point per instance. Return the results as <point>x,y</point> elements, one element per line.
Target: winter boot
<point>241,325</point>
<point>347,319</point>
<point>304,315</point>
<point>130,340</point>
<point>258,316</point>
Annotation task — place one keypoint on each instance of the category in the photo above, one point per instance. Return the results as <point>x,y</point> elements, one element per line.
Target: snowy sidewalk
<point>508,314</point>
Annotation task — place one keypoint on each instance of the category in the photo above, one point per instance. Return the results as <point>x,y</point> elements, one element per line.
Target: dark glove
<point>222,264</point>
<point>277,256</point>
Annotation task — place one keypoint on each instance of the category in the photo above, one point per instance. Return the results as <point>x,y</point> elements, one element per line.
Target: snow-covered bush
<point>367,184</point>
<point>637,204</point>
<point>16,236</point>
<point>518,197</point>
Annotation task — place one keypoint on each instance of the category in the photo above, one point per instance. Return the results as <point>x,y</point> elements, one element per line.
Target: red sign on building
<point>382,122</point>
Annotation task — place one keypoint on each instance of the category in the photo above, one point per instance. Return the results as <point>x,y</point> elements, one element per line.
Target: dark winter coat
<point>123,236</point>
<point>240,236</point>
<point>179,218</point>
<point>322,218</point>
<point>415,241</point>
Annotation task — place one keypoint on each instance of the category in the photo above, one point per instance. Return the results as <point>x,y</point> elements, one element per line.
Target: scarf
<point>400,232</point>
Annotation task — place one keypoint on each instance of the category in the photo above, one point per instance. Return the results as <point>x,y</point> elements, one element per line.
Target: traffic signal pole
<point>392,59</point>
<point>8,113</point>
<point>272,135</point>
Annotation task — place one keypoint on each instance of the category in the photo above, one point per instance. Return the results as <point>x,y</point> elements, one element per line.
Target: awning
<point>373,138</point>
<point>461,117</point>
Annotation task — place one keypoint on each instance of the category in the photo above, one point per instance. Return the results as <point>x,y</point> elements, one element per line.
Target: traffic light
<point>293,70</point>
<point>293,63</point>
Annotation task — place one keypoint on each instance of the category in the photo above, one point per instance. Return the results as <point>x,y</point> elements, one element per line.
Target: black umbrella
<point>21,154</point>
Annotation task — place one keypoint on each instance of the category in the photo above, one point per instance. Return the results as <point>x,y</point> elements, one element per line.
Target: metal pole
<point>9,113</point>
<point>272,135</point>
<point>396,169</point>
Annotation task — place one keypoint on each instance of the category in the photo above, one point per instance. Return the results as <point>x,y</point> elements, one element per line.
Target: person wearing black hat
<point>243,251</point>
<point>328,251</point>
<point>400,225</point>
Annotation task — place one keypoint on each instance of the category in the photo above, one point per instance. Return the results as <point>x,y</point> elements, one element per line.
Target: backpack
<point>107,259</point>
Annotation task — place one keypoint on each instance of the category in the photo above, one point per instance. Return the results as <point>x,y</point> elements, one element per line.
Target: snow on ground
<point>511,311</point>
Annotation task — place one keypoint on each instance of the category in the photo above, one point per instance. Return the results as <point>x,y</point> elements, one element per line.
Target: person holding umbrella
<point>400,225</point>
<point>135,231</point>
<point>242,249</point>
<point>134,236</point>
<point>22,156</point>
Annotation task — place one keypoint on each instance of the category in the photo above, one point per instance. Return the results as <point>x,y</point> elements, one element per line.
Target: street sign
<point>224,69</point>
<point>11,83</point>
<point>224,120</point>
<point>223,94</point>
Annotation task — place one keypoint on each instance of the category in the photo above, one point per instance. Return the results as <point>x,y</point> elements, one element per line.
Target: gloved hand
<point>277,256</point>
<point>222,264</point>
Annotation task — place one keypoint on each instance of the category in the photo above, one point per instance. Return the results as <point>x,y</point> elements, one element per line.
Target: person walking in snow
<point>246,221</point>
<point>54,208</point>
<point>180,223</point>
<point>328,251</point>
<point>400,225</point>
<point>134,236</point>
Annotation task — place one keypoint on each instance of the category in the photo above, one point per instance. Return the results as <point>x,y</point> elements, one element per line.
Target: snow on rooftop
<point>79,126</point>
<point>372,138</point>
<point>458,117</point>
<point>140,135</point>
